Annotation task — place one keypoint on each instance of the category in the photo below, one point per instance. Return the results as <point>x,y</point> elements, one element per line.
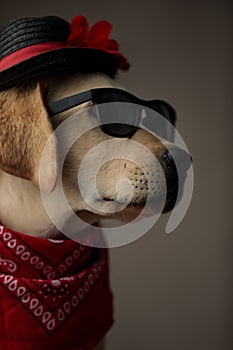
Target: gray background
<point>174,291</point>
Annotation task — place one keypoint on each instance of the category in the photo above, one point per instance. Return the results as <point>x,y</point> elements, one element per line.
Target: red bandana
<point>53,294</point>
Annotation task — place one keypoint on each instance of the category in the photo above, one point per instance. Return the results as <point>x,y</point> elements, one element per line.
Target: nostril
<point>166,159</point>
<point>176,157</point>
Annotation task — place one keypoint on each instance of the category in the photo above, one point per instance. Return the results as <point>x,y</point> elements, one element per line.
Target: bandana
<point>54,294</point>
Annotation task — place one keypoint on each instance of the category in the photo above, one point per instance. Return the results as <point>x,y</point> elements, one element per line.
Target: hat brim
<point>60,60</point>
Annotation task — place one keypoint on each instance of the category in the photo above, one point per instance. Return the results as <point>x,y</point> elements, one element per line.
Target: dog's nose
<point>176,156</point>
<point>171,160</point>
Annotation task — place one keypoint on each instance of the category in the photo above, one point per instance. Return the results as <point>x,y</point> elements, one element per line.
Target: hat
<point>31,48</point>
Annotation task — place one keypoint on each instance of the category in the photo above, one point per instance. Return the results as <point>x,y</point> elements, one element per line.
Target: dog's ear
<point>24,132</point>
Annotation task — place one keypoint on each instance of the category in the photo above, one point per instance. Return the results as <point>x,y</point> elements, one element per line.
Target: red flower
<point>113,45</point>
<point>78,31</point>
<point>96,37</point>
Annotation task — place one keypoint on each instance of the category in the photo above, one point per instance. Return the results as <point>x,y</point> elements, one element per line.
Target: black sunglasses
<point>121,122</point>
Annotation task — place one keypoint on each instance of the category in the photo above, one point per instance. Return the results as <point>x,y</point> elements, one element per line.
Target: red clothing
<point>53,294</point>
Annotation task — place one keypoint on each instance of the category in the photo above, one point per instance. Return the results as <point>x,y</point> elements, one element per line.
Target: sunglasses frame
<point>96,96</point>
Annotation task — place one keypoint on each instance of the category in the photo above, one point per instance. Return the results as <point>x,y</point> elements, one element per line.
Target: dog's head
<point>126,174</point>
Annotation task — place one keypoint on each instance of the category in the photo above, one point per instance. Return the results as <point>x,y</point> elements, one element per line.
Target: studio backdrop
<point>173,291</point>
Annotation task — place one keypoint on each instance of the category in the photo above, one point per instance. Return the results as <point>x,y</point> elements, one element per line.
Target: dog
<point>25,129</point>
<point>15,191</point>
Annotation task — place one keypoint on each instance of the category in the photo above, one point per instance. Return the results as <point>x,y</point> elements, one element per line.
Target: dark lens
<point>118,119</point>
<point>161,123</point>
<point>163,108</point>
<point>118,130</point>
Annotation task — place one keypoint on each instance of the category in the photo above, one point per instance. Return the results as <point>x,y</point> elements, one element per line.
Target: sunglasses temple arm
<point>66,103</point>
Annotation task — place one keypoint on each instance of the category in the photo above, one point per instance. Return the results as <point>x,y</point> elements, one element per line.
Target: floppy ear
<point>24,132</point>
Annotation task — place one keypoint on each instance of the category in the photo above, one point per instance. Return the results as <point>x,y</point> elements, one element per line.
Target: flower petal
<point>113,45</point>
<point>98,35</point>
<point>78,32</point>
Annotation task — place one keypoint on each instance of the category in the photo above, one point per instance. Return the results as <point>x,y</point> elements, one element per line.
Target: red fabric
<point>53,294</point>
<point>81,35</point>
<point>28,52</point>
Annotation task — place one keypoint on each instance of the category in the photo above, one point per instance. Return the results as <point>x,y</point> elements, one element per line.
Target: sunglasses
<point>122,119</point>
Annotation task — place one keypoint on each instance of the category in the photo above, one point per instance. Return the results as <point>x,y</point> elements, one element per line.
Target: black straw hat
<point>34,47</point>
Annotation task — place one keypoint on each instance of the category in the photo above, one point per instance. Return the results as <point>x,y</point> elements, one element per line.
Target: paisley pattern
<point>51,281</point>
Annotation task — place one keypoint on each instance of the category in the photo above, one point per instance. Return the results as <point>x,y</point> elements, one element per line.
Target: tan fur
<point>25,129</point>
